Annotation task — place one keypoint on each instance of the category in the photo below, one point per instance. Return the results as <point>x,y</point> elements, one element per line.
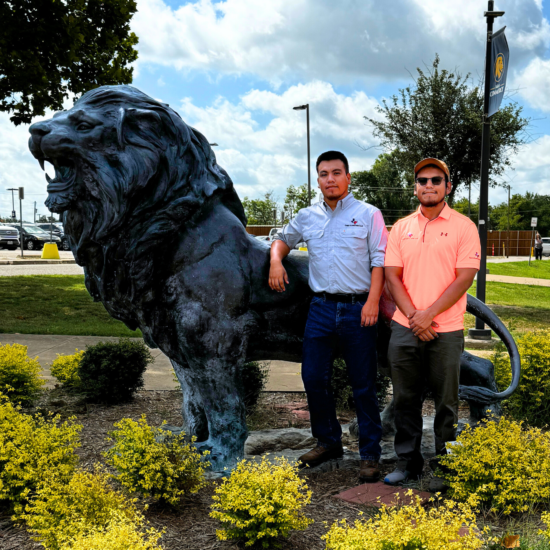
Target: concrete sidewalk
<point>518,280</point>
<point>283,376</point>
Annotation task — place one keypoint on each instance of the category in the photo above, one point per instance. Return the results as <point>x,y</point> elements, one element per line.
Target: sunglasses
<point>436,181</point>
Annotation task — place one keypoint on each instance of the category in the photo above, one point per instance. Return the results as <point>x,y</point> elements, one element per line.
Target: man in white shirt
<point>346,241</point>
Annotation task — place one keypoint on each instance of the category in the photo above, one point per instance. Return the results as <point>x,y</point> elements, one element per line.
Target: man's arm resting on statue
<point>277,273</point>
<point>394,278</point>
<point>422,319</point>
<point>369,313</point>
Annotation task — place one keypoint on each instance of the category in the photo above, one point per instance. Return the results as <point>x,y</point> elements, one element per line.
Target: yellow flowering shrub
<point>261,501</point>
<point>121,533</point>
<point>545,517</point>
<point>531,401</point>
<point>19,374</point>
<point>32,449</point>
<point>65,369</point>
<point>501,464</point>
<point>64,510</point>
<point>155,462</point>
<point>409,527</point>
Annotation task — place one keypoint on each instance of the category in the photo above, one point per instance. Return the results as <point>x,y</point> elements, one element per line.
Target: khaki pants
<point>417,366</point>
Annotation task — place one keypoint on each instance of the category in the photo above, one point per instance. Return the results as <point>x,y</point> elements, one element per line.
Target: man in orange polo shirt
<point>431,260</point>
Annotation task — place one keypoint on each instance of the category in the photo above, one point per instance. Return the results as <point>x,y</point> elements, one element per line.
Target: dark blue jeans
<point>331,326</point>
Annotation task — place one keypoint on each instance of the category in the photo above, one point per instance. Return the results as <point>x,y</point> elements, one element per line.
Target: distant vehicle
<point>56,229</point>
<point>9,237</point>
<point>34,238</point>
<point>546,246</point>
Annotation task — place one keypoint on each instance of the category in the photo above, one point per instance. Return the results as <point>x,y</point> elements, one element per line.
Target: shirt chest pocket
<point>353,242</point>
<point>315,242</point>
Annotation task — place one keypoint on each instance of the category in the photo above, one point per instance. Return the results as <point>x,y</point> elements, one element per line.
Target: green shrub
<point>341,388</point>
<point>531,401</point>
<point>120,534</point>
<point>32,450</point>
<point>155,462</point>
<point>261,501</point>
<point>64,510</point>
<point>19,374</point>
<point>253,378</point>
<point>111,372</point>
<point>65,369</point>
<point>502,465</point>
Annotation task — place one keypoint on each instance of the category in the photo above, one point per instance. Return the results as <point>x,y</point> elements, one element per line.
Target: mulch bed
<point>189,526</point>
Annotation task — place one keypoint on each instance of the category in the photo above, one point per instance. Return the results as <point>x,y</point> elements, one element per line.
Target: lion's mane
<point>137,197</point>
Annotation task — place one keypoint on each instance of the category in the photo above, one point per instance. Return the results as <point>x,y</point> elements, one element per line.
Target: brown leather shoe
<point>370,471</point>
<point>321,454</point>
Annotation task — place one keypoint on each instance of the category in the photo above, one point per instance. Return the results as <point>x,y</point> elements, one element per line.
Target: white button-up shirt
<point>344,244</point>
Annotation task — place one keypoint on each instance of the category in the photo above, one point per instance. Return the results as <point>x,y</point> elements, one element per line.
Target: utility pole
<point>34,211</point>
<point>306,108</point>
<point>508,237</point>
<point>480,332</point>
<point>469,199</point>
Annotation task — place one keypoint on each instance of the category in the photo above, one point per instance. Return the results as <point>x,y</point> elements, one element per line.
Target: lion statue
<point>160,231</point>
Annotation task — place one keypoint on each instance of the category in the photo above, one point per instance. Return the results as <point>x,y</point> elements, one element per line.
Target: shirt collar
<point>343,204</point>
<point>445,212</point>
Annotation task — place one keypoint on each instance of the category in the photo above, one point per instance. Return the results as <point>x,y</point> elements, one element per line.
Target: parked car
<point>546,246</point>
<point>56,229</point>
<point>9,237</point>
<point>34,238</point>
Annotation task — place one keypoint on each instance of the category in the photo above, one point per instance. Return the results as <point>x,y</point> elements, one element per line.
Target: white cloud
<point>272,156</point>
<point>534,83</point>
<point>344,41</point>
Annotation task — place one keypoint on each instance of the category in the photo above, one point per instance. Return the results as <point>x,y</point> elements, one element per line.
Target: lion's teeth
<point>41,161</point>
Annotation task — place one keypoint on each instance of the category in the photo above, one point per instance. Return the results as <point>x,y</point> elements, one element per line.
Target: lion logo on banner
<point>499,67</point>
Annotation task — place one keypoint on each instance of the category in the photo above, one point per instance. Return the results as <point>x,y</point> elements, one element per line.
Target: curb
<point>470,343</point>
<point>31,262</point>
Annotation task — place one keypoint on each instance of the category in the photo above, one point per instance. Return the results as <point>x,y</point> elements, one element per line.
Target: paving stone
<point>376,494</point>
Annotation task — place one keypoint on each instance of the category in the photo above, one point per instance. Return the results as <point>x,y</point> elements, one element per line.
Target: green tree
<point>387,187</point>
<point>50,48</point>
<point>441,116</point>
<point>461,205</point>
<point>522,209</point>
<point>260,211</point>
<point>296,199</point>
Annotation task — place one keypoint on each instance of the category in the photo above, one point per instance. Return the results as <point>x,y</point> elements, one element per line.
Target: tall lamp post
<point>480,332</point>
<point>301,108</point>
<point>12,189</point>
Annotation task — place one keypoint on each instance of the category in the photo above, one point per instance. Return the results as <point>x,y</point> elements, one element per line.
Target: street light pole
<point>12,189</point>
<point>301,108</point>
<point>480,332</point>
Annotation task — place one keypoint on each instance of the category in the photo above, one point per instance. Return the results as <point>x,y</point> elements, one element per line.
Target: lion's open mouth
<point>65,174</point>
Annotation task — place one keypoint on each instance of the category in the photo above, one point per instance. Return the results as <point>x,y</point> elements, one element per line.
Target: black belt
<point>344,298</point>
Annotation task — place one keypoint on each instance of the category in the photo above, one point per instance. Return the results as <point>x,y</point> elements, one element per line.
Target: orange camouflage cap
<point>437,162</point>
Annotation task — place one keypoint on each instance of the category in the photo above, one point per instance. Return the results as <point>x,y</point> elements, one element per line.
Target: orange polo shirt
<point>429,251</point>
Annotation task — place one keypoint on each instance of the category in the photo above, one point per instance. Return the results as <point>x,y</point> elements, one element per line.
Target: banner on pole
<point>500,55</point>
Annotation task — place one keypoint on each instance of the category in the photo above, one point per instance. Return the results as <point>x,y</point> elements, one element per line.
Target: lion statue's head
<point>129,174</point>
<point>121,157</point>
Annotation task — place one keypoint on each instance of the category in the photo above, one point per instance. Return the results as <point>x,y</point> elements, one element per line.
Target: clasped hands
<point>421,323</point>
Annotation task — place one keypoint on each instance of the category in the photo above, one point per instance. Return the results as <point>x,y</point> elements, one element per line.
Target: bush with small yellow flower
<point>31,450</point>
<point>501,464</point>
<point>154,462</point>
<point>19,374</point>
<point>531,401</point>
<point>409,527</point>
<point>260,501</point>
<point>545,517</point>
<point>65,369</point>
<point>119,534</point>
<point>63,510</point>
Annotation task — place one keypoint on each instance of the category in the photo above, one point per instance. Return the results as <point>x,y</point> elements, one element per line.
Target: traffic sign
<point>534,222</point>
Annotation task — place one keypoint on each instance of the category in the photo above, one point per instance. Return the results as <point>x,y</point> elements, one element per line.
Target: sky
<point>234,69</point>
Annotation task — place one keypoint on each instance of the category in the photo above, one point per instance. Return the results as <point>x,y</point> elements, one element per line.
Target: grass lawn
<point>54,304</point>
<point>521,307</point>
<point>60,304</point>
<point>537,270</point>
